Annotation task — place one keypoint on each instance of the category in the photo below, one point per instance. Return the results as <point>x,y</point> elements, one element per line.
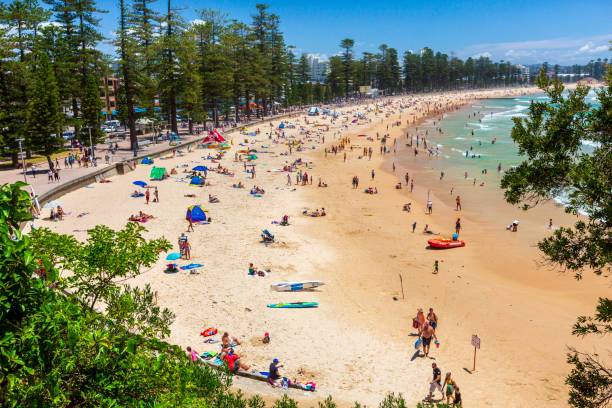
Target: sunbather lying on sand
<point>407,207</point>
<point>190,195</point>
<point>212,199</point>
<point>257,190</point>
<point>239,185</point>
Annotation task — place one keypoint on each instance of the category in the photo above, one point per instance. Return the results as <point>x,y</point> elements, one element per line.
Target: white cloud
<point>511,54</point>
<point>567,50</point>
<point>321,57</point>
<point>485,54</point>
<point>49,24</point>
<point>197,21</point>
<point>591,48</point>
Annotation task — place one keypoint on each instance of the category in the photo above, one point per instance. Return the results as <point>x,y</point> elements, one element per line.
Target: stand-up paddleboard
<point>292,286</point>
<point>294,305</point>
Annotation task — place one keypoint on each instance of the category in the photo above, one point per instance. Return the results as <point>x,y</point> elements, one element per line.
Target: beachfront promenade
<point>40,181</point>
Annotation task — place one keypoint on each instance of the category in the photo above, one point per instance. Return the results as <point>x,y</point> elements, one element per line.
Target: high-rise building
<point>108,95</point>
<point>318,68</point>
<point>524,71</point>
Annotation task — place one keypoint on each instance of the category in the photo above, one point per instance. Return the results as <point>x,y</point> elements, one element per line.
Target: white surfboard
<point>294,286</point>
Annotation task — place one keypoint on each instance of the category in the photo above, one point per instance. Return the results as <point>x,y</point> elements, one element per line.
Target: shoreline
<point>357,345</point>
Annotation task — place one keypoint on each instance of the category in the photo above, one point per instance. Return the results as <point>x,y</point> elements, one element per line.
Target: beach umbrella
<point>200,168</point>
<point>139,183</point>
<point>173,256</point>
<point>52,204</point>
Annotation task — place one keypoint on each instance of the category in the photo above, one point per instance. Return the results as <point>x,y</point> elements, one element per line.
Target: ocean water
<point>475,138</point>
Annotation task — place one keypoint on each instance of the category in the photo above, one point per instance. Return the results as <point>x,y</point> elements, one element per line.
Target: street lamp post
<point>22,159</point>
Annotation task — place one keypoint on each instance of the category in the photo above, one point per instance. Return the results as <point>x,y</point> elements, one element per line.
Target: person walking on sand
<point>411,185</point>
<point>457,402</point>
<point>426,335</point>
<point>373,174</point>
<point>420,318</point>
<point>449,387</point>
<point>147,196</point>
<point>288,179</point>
<point>435,271</point>
<point>156,195</point>
<point>432,318</point>
<point>414,226</point>
<point>458,202</point>
<point>190,225</point>
<point>458,225</point>
<point>429,206</point>
<point>186,249</point>
<point>435,384</point>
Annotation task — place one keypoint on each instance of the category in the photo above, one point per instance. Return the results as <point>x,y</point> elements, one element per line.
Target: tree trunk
<point>51,165</point>
<point>248,105</point>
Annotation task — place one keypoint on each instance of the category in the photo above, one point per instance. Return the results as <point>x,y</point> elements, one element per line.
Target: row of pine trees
<point>210,69</point>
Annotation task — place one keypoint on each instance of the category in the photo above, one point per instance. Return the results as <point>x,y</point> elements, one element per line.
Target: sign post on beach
<point>402,285</point>
<point>476,344</point>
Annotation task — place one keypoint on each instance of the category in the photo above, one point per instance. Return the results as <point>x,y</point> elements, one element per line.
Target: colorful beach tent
<point>147,160</point>
<point>158,173</point>
<point>195,181</point>
<point>213,137</point>
<point>313,111</point>
<point>195,213</point>
<point>281,126</point>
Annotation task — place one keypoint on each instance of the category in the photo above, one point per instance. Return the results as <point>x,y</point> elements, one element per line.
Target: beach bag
<point>415,323</point>
<point>209,332</point>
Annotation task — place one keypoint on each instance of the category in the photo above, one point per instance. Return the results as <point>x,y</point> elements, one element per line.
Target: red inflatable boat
<point>445,243</point>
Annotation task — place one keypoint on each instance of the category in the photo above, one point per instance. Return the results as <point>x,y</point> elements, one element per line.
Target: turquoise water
<point>482,129</point>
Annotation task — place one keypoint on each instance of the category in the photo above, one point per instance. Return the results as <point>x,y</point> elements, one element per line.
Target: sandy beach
<point>358,344</point>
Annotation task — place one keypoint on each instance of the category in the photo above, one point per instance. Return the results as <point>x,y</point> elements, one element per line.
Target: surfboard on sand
<point>294,305</point>
<point>294,286</point>
<point>417,343</point>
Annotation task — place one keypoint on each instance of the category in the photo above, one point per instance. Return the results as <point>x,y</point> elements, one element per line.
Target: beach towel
<point>211,331</point>
<point>191,266</point>
<point>208,355</point>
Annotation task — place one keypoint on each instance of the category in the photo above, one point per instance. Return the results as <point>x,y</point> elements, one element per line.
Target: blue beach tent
<point>195,181</point>
<point>195,213</point>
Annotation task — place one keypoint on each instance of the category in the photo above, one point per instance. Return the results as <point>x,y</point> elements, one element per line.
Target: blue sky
<point>521,31</point>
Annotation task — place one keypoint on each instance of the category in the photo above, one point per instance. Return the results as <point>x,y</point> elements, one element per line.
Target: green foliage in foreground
<point>556,164</point>
<point>57,349</point>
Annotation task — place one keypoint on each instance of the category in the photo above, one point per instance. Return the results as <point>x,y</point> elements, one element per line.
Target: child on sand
<point>435,271</point>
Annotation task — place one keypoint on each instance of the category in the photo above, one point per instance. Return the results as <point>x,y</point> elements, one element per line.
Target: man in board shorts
<point>426,335</point>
